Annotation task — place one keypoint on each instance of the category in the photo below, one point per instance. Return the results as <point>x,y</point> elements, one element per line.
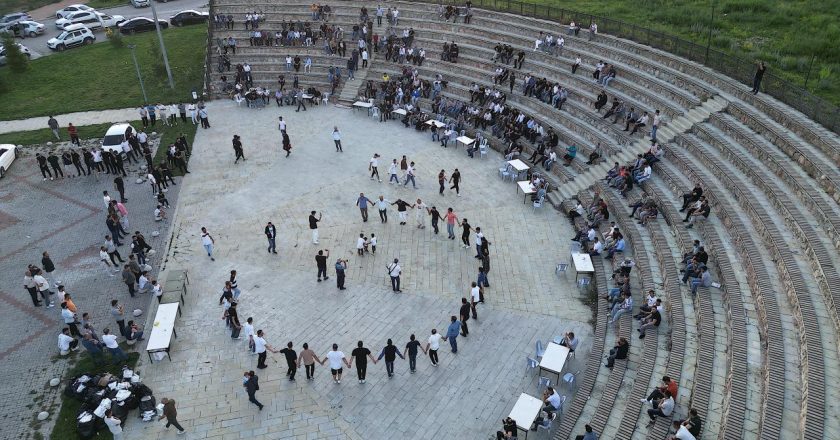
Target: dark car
<point>141,24</point>
<point>188,17</point>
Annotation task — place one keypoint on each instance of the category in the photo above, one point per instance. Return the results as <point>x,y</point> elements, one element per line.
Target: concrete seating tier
<point>774,399</point>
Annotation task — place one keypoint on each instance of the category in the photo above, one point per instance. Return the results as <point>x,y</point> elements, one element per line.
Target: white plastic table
<point>435,122</point>
<point>163,329</point>
<point>554,359</point>
<point>399,111</point>
<point>467,141</point>
<point>525,411</point>
<point>583,264</point>
<point>526,187</point>
<point>519,166</point>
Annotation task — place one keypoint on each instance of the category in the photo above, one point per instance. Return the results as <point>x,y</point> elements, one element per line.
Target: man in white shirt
<point>420,213</point>
<point>336,135</point>
<point>113,347</point>
<point>392,172</point>
<point>143,285</point>
<point>337,361</point>
<point>69,319</point>
<point>552,400</point>
<point>260,347</point>
<point>114,425</point>
<point>382,204</point>
<point>475,298</point>
<point>662,407</point>
<point>248,328</point>
<point>67,342</point>
<point>394,271</point>
<point>479,240</point>
<point>433,346</point>
<point>373,167</point>
<point>597,248</point>
<point>44,288</point>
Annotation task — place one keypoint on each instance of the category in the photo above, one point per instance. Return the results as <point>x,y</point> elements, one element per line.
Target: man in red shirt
<point>74,134</point>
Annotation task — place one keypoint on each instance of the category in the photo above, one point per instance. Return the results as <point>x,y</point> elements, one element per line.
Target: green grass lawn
<point>102,76</point>
<point>785,33</point>
<point>65,425</point>
<point>44,135</point>
<point>99,4</point>
<point>168,136</point>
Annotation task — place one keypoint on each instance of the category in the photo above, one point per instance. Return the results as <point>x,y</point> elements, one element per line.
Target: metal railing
<point>816,108</point>
<point>208,56</point>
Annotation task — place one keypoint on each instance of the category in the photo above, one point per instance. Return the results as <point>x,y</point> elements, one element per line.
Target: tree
<point>18,62</point>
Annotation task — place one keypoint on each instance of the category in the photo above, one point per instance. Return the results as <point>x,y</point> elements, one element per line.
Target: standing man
<point>340,267</point>
<point>465,316</point>
<point>31,287</point>
<point>336,135</point>
<point>362,203</point>
<point>433,346</point>
<point>361,354</point>
<point>411,349</point>
<point>202,114</point>
<point>394,271</point>
<point>451,219</point>
<point>759,75</point>
<point>479,239</point>
<point>313,225</point>
<point>402,210</point>
<point>321,262</point>
<point>207,241</point>
<point>129,279</point>
<point>392,173</point>
<point>118,313</point>
<point>308,358</point>
<point>271,234</point>
<point>237,149</point>
<point>452,333</point>
<point>409,175</point>
<point>69,319</point>
<point>442,181</point>
<point>373,167</point>
<point>110,342</point>
<point>171,415</point>
<point>337,361</point>
<point>291,360</point>
<point>49,268</point>
<point>382,206</point>
<point>114,425</point>
<point>119,185</point>
<point>390,353</point>
<point>420,213</point>
<point>260,347</point>
<point>53,124</point>
<point>252,385</point>
<point>475,298</point>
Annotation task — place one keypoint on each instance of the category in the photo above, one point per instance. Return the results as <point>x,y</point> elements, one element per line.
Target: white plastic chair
<point>583,282</point>
<point>374,112</point>
<point>543,383</point>
<point>569,378</point>
<point>558,340</point>
<point>547,426</point>
<point>538,204</point>
<point>575,249</point>
<point>562,267</point>
<point>540,349</point>
<point>531,363</point>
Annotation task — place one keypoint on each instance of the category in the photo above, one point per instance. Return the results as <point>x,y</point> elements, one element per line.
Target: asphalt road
<point>38,45</point>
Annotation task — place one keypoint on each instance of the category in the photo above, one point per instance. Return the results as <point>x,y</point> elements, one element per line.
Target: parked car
<point>140,3</point>
<point>141,24</point>
<point>25,28</point>
<point>23,49</point>
<point>14,18</point>
<point>189,16</point>
<point>61,13</point>
<point>91,19</point>
<point>74,35</point>
<point>7,156</point>
<point>115,136</point>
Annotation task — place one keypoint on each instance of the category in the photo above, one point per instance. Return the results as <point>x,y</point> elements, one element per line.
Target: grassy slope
<point>785,33</point>
<point>101,76</point>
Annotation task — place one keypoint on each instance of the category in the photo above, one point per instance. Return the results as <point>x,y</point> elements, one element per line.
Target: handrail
<point>816,108</point>
<point>208,57</point>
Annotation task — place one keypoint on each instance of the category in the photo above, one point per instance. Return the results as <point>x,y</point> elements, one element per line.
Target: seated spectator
<point>693,425</point>
<point>133,332</point>
<point>644,201</point>
<point>691,197</point>
<point>647,214</point>
<point>600,101</point>
<point>639,123</point>
<point>552,400</point>
<point>622,308</point>
<point>569,340</point>
<point>571,152</point>
<point>662,407</point>
<point>143,283</point>
<point>692,269</point>
<point>94,348</point>
<point>652,321</point>
<point>552,158</point>
<point>544,420</point>
<point>644,174</point>
<point>681,432</point>
<point>160,214</point>
<point>509,429</point>
<point>694,207</point>
<point>704,280</point>
<point>624,268</point>
<point>654,153</point>
<point>67,343</point>
<point>597,248</point>
<point>699,214</point>
<point>617,247</point>
<point>590,434</point>
<point>650,303</point>
<point>610,75</point>
<point>659,392</point>
<point>619,351</point>
<point>596,154</point>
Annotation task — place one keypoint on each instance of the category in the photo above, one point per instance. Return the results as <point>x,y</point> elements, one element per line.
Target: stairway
<point>682,124</point>
<point>351,88</point>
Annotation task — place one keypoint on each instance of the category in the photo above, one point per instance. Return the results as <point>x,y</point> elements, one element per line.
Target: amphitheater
<point>756,357</point>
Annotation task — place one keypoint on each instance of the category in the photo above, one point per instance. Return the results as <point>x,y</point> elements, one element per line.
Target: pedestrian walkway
<point>78,119</point>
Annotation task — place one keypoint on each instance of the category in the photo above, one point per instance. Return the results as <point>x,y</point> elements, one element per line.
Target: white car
<point>7,156</point>
<point>140,3</point>
<point>23,49</point>
<point>115,136</point>
<point>28,28</point>
<point>74,35</point>
<point>91,19</point>
<point>61,13</point>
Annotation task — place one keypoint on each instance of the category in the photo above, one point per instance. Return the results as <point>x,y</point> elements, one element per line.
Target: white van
<point>115,136</point>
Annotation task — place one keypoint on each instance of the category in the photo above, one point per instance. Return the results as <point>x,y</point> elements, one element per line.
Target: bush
<point>18,62</point>
<point>115,38</point>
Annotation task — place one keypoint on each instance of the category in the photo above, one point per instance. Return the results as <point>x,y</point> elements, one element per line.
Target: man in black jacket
<point>271,234</point>
<point>252,385</point>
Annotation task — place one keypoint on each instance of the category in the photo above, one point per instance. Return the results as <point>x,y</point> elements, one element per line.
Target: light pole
<point>162,46</point>
<point>711,25</point>
<point>139,77</point>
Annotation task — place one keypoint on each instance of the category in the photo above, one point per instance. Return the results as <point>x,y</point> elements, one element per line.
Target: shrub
<point>18,62</point>
<point>115,38</point>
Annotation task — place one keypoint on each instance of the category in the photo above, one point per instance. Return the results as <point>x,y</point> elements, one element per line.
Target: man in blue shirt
<point>452,333</point>
<point>362,203</point>
<point>618,247</point>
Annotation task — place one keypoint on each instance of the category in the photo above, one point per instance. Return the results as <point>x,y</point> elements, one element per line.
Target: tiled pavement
<point>463,398</point>
<point>65,218</point>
